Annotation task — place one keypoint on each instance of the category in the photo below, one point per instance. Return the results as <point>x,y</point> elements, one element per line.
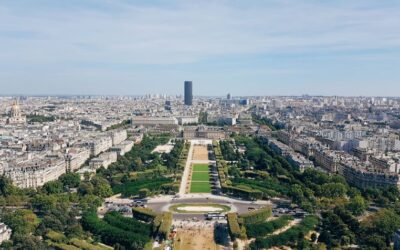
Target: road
<point>162,204</point>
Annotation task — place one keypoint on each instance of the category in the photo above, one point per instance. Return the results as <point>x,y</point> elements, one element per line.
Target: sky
<point>258,47</point>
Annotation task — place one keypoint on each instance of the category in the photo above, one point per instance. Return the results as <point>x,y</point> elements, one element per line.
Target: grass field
<point>200,187</point>
<point>201,167</point>
<point>201,176</point>
<point>200,179</point>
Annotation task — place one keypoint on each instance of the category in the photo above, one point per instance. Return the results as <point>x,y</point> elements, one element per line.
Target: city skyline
<point>259,48</point>
<point>214,124</point>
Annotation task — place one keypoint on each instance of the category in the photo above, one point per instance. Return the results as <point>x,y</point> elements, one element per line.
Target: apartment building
<point>103,160</point>
<point>99,144</point>
<point>326,159</point>
<point>75,158</point>
<point>35,173</point>
<point>118,136</point>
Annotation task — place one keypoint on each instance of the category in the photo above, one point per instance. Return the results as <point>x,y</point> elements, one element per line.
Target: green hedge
<point>233,226</point>
<point>112,235</point>
<point>288,237</point>
<point>257,216</point>
<point>165,225</point>
<point>132,188</point>
<point>82,244</point>
<point>143,214</point>
<point>60,246</point>
<point>129,224</point>
<point>247,194</point>
<point>55,236</point>
<point>263,229</point>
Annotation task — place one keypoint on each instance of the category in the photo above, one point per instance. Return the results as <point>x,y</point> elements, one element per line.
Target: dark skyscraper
<point>188,93</point>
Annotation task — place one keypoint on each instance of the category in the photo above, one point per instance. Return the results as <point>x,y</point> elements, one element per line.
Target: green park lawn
<point>201,176</point>
<point>200,187</point>
<point>200,167</point>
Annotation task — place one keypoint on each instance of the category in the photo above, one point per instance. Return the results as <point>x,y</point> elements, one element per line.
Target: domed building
<point>15,116</point>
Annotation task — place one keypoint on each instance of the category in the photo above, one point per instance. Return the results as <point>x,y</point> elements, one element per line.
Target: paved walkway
<point>186,171</point>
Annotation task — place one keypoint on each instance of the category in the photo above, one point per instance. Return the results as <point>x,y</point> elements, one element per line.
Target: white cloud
<point>192,31</point>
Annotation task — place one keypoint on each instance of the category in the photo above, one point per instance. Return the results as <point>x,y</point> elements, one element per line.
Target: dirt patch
<point>195,239</point>
<point>200,153</point>
<point>284,229</point>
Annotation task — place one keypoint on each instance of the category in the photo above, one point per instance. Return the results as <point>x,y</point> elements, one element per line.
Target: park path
<point>186,171</point>
<point>189,161</point>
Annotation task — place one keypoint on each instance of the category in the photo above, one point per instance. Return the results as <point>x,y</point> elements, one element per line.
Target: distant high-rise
<point>188,93</point>
<point>228,96</point>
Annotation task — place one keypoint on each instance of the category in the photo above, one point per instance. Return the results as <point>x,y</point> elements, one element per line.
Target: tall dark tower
<point>188,93</point>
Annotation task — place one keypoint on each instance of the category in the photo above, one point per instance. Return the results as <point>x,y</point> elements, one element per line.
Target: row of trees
<point>123,234</point>
<point>228,151</point>
<point>262,229</point>
<point>143,187</point>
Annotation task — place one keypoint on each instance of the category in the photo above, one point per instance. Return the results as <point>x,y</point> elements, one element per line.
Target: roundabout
<point>200,208</point>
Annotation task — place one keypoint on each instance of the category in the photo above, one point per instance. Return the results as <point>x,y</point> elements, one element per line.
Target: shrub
<point>112,235</point>
<point>265,228</point>
<point>243,193</point>
<point>143,214</point>
<point>65,247</point>
<point>129,224</point>
<point>287,237</point>
<point>257,216</point>
<point>144,192</point>
<point>165,225</point>
<point>133,188</point>
<point>233,225</point>
<point>56,237</point>
<point>81,244</point>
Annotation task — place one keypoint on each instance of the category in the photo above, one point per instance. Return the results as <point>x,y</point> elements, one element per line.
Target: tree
<point>334,229</point>
<point>23,242</point>
<point>333,190</point>
<point>43,202</point>
<point>6,186</point>
<point>144,192</point>
<point>383,223</point>
<point>22,221</point>
<point>74,231</point>
<point>90,202</point>
<point>353,192</point>
<point>357,205</point>
<point>101,187</point>
<point>85,188</point>
<point>138,164</point>
<point>71,180</point>
<point>53,187</point>
<point>296,193</point>
<point>376,241</point>
<point>52,222</point>
<point>86,176</point>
